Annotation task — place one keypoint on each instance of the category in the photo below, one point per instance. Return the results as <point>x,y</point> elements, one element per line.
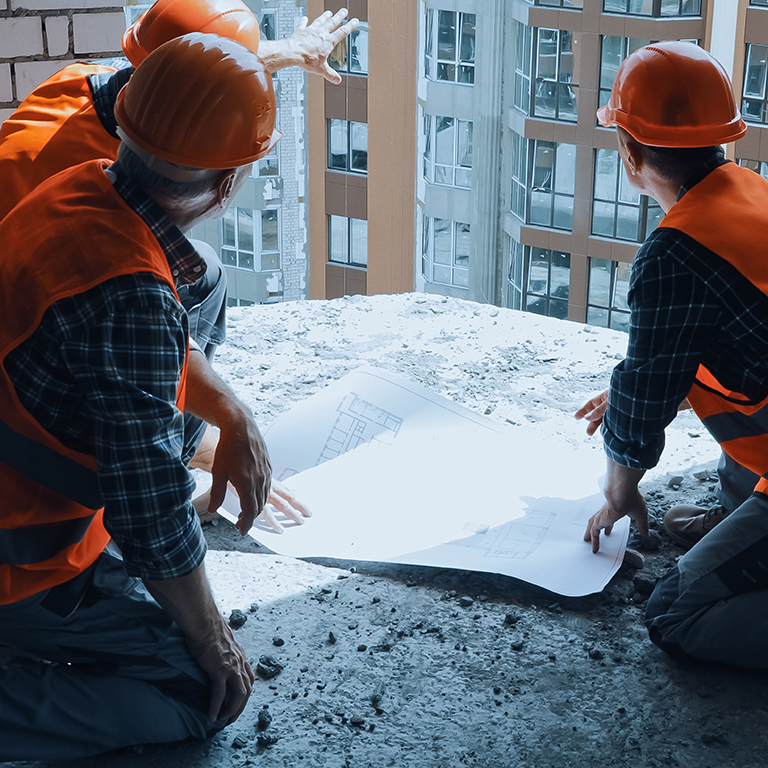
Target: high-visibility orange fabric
<point>54,128</point>
<point>727,212</point>
<point>72,233</point>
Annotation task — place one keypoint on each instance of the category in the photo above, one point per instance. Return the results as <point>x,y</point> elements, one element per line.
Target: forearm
<point>208,396</point>
<point>621,484</point>
<point>189,602</point>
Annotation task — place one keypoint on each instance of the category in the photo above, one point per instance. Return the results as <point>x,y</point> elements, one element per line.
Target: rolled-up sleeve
<point>674,315</point>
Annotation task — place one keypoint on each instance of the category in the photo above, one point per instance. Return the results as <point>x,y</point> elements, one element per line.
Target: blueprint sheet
<point>394,473</point>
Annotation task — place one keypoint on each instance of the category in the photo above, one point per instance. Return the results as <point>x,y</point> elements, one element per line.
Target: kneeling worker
<point>698,330</point>
<point>93,374</point>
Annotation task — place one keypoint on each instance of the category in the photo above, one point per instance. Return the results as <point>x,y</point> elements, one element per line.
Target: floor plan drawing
<point>516,539</point>
<point>358,422</point>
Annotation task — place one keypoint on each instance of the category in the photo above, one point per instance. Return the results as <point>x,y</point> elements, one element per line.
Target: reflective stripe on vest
<point>51,469</point>
<point>727,212</point>
<point>37,543</point>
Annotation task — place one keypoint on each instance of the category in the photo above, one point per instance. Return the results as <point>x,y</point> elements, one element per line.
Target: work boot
<point>688,525</point>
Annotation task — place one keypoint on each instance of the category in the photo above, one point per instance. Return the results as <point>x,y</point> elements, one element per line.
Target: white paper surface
<point>394,473</point>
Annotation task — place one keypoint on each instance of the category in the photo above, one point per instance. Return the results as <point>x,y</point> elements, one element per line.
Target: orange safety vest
<point>72,233</point>
<point>54,128</point>
<point>727,212</point>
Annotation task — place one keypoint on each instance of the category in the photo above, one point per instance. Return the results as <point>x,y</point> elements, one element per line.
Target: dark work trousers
<point>116,670</point>
<point>712,605</point>
<point>206,305</point>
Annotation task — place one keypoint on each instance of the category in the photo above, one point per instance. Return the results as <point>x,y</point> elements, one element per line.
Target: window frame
<point>432,57</point>
<point>520,261</point>
<point>430,164</point>
<point>657,9</point>
<point>613,309</point>
<point>232,214</point>
<point>428,262</point>
<point>348,241</point>
<point>348,138</point>
<point>763,98</point>
<point>644,206</point>
<point>345,48</point>
<point>527,58</point>
<point>522,194</point>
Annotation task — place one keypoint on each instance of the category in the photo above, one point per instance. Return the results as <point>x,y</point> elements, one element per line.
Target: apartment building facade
<point>521,199</point>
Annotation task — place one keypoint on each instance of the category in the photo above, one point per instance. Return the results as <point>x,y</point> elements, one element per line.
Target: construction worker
<point>101,551</point>
<point>69,119</point>
<point>698,331</point>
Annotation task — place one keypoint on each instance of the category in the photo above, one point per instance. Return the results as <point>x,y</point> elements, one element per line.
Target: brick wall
<point>39,37</point>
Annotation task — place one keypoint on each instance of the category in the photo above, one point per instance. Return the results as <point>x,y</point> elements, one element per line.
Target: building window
<point>759,3</point>
<point>448,151</point>
<point>543,182</point>
<point>269,165</point>
<point>657,8</point>
<point>613,51</point>
<point>754,106</point>
<point>239,302</point>
<point>251,239</point>
<point>445,252</point>
<point>561,3</point>
<point>347,146</point>
<point>350,56</point>
<point>545,57</point>
<point>268,25</point>
<point>449,49</point>
<point>758,166</point>
<point>607,296</point>
<point>347,241</point>
<point>618,211</point>
<point>538,280</point>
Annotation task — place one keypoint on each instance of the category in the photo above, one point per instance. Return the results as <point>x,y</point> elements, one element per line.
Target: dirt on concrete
<point>372,665</point>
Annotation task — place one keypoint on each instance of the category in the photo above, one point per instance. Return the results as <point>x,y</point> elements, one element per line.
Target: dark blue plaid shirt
<point>100,373</point>
<point>688,306</point>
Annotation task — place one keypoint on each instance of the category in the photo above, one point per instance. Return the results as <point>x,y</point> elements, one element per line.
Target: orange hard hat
<point>674,94</point>
<point>167,19</point>
<point>200,101</point>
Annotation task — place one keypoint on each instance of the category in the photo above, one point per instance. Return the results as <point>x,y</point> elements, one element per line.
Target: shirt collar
<point>104,90</point>
<point>700,174</point>
<point>187,266</point>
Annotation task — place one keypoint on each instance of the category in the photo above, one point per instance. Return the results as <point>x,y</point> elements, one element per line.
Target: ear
<point>226,187</point>
<point>633,153</point>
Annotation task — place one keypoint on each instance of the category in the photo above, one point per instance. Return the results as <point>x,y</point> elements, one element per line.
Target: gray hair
<point>130,164</point>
